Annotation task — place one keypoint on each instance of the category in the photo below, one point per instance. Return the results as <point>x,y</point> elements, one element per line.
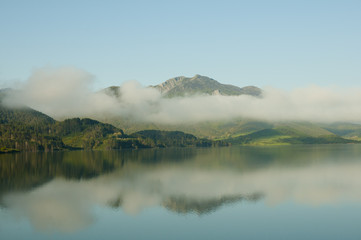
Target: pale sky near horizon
<point>283,44</point>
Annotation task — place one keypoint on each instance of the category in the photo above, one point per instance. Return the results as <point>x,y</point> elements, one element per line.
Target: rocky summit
<point>183,86</point>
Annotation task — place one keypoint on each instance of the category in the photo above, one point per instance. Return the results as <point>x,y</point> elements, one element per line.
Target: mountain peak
<point>198,84</point>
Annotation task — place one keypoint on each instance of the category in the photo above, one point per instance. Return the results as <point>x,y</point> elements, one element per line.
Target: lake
<point>275,192</point>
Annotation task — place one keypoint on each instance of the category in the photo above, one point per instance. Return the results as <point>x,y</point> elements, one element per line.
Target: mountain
<point>183,86</point>
<point>29,130</point>
<point>112,91</point>
<point>237,131</point>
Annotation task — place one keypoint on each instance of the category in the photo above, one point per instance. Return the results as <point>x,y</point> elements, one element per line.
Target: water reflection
<point>59,191</point>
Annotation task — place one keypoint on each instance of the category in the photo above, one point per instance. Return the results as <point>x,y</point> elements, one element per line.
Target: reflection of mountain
<point>27,170</point>
<point>205,206</point>
<point>186,205</point>
<point>198,181</point>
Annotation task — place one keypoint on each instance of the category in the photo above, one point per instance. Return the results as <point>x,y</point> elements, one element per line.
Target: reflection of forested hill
<point>24,171</point>
<point>27,170</point>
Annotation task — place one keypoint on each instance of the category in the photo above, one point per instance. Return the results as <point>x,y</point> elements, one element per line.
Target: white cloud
<point>65,92</point>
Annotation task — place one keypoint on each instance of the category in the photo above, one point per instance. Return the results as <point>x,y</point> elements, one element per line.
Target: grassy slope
<point>250,132</point>
<point>211,130</point>
<point>346,130</point>
<point>282,133</point>
<point>290,133</point>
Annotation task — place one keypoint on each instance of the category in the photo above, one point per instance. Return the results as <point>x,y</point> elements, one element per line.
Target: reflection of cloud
<point>59,205</point>
<point>66,205</point>
<point>313,185</point>
<point>49,208</point>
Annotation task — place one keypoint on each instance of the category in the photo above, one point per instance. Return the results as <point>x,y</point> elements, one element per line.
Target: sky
<point>282,44</point>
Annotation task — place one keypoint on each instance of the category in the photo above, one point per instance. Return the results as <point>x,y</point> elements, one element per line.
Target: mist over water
<point>66,92</point>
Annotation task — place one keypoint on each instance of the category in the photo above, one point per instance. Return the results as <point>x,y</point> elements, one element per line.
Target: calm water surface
<point>289,192</point>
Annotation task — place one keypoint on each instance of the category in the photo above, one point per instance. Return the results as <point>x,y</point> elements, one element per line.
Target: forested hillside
<point>25,129</point>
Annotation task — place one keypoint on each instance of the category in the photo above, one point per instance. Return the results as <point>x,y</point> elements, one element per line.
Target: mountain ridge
<point>198,84</point>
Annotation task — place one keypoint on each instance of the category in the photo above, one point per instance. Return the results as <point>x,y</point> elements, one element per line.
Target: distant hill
<point>183,86</point>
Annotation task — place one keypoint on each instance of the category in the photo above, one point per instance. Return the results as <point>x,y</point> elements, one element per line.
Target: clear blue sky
<point>284,44</point>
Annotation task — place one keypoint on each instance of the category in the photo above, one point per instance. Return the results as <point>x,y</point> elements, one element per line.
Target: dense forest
<point>26,129</point>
